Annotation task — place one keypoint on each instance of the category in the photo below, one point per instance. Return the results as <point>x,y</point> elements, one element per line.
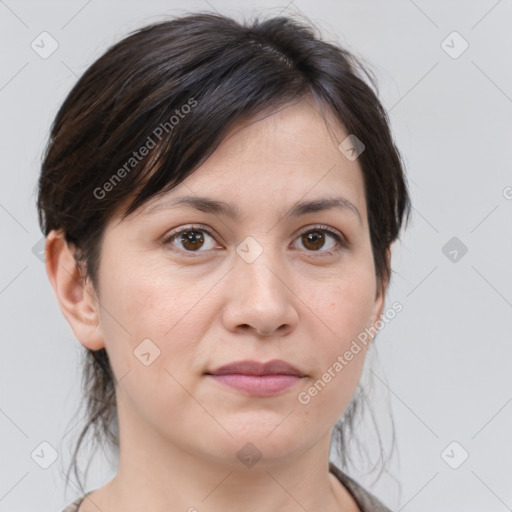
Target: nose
<point>260,298</point>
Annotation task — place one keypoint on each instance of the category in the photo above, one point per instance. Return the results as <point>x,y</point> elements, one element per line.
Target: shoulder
<point>366,501</point>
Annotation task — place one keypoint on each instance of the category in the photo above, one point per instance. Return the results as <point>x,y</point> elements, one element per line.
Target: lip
<point>257,379</point>
<point>274,367</point>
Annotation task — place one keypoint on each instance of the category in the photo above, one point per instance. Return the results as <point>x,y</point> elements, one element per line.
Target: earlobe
<point>76,297</point>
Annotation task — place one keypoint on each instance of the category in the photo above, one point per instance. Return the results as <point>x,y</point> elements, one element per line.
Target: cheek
<point>345,309</point>
<point>147,295</point>
<point>345,306</point>
<point>174,310</point>
<point>148,323</point>
<point>144,300</point>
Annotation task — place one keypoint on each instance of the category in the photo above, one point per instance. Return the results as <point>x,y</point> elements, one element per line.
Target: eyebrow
<point>208,205</point>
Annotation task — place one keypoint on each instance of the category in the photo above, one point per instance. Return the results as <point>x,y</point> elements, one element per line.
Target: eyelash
<point>341,241</point>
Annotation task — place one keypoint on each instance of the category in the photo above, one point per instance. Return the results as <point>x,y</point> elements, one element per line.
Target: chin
<point>262,446</point>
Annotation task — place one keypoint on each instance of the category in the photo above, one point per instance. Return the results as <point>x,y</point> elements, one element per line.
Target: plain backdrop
<point>440,369</point>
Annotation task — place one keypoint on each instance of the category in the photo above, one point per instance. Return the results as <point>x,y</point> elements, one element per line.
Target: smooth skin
<point>203,306</point>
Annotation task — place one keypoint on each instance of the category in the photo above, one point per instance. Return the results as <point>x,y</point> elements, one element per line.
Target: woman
<point>219,201</point>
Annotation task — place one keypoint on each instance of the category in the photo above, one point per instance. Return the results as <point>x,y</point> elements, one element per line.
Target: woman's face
<point>250,287</point>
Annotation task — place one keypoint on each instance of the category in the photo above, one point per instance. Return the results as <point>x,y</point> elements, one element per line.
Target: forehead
<point>275,158</point>
<point>270,164</point>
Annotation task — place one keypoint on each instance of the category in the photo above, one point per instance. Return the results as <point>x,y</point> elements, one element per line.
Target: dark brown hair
<point>175,88</point>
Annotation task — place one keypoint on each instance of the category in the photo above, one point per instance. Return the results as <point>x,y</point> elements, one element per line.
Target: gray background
<point>442,365</point>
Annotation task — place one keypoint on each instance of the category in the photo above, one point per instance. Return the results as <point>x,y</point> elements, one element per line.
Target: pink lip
<point>257,385</point>
<point>257,379</point>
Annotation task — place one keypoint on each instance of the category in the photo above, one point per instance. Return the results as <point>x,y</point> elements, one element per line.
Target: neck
<point>156,474</point>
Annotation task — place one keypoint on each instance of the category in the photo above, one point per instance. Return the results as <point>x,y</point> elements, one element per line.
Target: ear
<point>380,296</point>
<point>76,296</point>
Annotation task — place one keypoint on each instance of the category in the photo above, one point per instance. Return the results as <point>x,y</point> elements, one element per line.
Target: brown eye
<point>191,240</point>
<point>316,239</point>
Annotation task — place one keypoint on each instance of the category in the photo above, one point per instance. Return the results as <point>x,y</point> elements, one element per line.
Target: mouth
<point>257,379</point>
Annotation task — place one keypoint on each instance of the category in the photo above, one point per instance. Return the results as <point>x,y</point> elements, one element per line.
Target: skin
<point>180,431</point>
